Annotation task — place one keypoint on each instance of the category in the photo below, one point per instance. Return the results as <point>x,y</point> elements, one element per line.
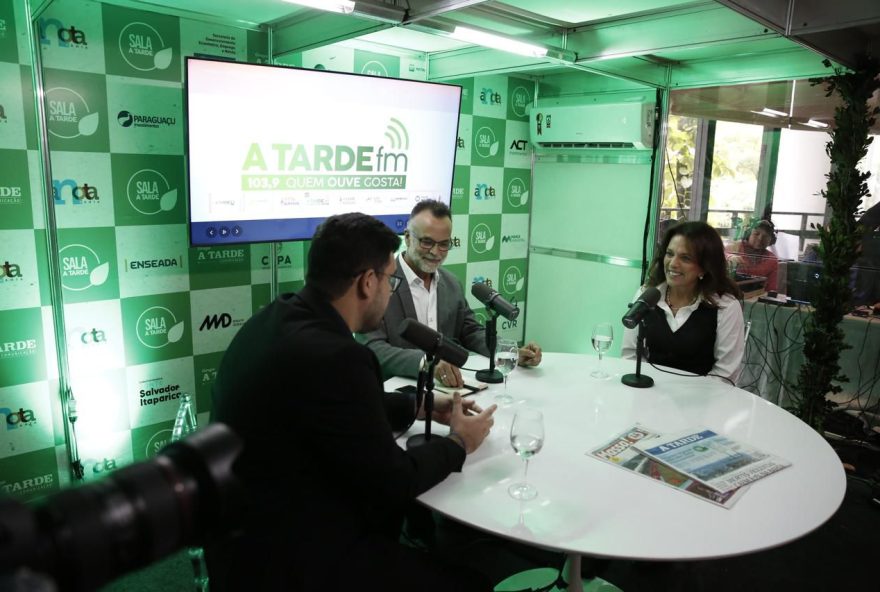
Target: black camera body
<point>83,537</point>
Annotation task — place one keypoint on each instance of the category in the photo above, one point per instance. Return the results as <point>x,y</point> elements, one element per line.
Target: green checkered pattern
<point>146,317</point>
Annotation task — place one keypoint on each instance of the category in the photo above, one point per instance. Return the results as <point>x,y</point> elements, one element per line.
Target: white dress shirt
<point>424,299</point>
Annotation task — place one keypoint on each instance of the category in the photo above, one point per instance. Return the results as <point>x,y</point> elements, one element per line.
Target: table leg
<point>552,580</point>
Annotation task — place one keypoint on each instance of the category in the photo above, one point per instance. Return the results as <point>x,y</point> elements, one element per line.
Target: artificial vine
<point>839,239</point>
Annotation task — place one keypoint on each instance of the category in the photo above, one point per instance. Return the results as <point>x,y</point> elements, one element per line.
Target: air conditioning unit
<point>613,126</point>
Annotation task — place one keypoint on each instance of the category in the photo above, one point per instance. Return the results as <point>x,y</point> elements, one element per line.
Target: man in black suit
<point>431,295</point>
<point>326,482</point>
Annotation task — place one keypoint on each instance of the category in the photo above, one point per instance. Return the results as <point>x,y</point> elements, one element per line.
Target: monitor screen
<point>273,151</point>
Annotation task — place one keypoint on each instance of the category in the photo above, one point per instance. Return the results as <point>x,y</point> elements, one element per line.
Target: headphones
<point>765,225</point>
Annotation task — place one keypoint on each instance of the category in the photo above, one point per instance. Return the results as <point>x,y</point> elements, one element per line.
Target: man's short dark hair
<point>438,208</point>
<point>344,246</point>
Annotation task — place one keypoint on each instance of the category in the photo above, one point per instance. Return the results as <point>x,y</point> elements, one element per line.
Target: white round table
<point>586,506</point>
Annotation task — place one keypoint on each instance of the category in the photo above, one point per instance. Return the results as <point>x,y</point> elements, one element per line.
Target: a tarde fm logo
<point>53,30</point>
<point>81,268</point>
<point>157,327</point>
<point>485,142</point>
<point>482,239</point>
<point>149,192</point>
<point>71,189</point>
<point>69,114</point>
<point>517,192</point>
<point>143,47</point>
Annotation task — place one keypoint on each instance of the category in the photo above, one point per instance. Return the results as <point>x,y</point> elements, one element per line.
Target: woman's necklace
<point>674,308</point>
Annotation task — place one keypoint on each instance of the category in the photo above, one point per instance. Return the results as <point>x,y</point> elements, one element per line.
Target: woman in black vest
<point>698,324</point>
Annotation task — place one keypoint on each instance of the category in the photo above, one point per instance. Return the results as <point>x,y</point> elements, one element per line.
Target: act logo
<point>143,48</point>
<point>485,142</point>
<point>77,193</point>
<point>482,239</point>
<point>512,280</point>
<point>517,193</point>
<point>157,327</point>
<point>54,30</point>
<point>81,268</point>
<point>149,192</point>
<point>216,321</point>
<point>374,68</point>
<point>519,145</point>
<point>23,418</point>
<point>519,101</point>
<point>483,191</point>
<point>69,114</point>
<point>490,97</point>
<point>10,271</point>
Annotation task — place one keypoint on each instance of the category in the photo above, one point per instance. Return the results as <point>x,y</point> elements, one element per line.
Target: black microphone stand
<point>491,375</point>
<point>424,391</point>
<point>638,380</point>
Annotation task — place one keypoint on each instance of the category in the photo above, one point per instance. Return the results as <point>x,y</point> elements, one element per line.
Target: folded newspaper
<point>712,459</point>
<point>621,452</point>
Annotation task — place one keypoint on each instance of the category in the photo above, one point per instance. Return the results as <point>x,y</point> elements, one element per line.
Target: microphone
<point>638,309</point>
<point>432,342</point>
<point>494,301</point>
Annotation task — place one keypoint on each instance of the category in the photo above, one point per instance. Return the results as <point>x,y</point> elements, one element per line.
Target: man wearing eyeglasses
<point>432,296</point>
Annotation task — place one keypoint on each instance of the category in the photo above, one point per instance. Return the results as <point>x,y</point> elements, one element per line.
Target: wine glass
<point>527,438</point>
<point>603,336</point>
<point>506,357</point>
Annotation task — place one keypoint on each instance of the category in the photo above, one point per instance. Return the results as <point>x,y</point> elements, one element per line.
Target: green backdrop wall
<point>147,318</point>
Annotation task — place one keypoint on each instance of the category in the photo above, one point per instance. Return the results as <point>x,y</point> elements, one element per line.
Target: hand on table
<point>530,354</point>
<point>448,375</point>
<point>443,408</point>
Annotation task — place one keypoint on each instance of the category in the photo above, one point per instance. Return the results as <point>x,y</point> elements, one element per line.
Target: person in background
<point>698,324</point>
<point>751,257</point>
<point>325,481</point>
<point>433,297</point>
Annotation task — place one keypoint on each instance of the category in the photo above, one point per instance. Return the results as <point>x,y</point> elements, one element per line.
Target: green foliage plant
<point>839,239</point>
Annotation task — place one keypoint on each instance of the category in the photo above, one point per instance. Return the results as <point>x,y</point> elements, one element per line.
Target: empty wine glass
<point>506,357</point>
<point>527,438</point>
<point>603,336</point>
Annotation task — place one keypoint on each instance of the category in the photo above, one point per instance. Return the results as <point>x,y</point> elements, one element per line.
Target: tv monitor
<point>273,150</point>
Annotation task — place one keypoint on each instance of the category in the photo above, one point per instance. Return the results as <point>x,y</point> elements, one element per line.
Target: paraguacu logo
<point>157,326</point>
<point>143,48</point>
<point>82,268</point>
<point>149,192</point>
<point>126,118</point>
<point>69,114</point>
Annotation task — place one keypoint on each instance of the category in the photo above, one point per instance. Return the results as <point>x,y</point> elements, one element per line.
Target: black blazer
<point>320,465</point>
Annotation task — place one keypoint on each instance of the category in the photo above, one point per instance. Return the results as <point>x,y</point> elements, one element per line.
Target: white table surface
<point>590,507</point>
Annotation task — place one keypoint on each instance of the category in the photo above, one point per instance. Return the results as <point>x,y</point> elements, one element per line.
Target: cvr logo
<point>216,322</point>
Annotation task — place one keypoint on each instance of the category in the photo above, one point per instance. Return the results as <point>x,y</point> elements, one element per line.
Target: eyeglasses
<point>393,280</point>
<point>429,243</point>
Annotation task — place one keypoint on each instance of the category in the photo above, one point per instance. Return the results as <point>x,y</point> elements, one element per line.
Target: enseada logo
<point>81,268</point>
<point>143,48</point>
<point>69,114</point>
<point>149,192</point>
<point>156,327</point>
